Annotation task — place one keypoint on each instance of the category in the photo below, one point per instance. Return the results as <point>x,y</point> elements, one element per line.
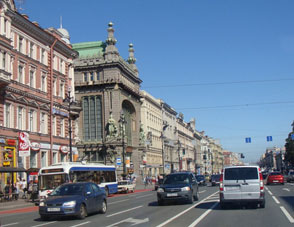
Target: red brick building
<point>36,74</point>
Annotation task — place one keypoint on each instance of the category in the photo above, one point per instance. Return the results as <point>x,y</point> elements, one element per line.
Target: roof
<point>90,49</point>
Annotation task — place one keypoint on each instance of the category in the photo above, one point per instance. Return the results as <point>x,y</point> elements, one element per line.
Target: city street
<point>141,209</point>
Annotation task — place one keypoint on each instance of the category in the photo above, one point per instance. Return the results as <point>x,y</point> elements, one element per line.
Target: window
<point>62,127</point>
<point>62,94</point>
<point>20,45</point>
<point>20,118</point>
<point>42,56</point>
<point>54,87</point>
<point>31,54</point>
<point>8,115</point>
<point>98,75</point>
<point>92,118</point>
<point>85,77</point>
<point>43,123</point>
<point>92,76</point>
<point>32,118</point>
<point>54,125</point>
<point>44,83</point>
<point>20,74</point>
<point>5,24</point>
<point>246,173</point>
<point>4,60</point>
<point>33,159</point>
<point>63,157</point>
<point>44,158</point>
<point>54,157</point>
<point>32,78</point>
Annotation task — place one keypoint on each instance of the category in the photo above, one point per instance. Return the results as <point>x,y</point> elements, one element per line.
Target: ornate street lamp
<point>122,122</point>
<point>70,100</point>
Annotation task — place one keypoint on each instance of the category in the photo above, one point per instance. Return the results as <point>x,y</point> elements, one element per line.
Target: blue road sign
<point>118,161</point>
<point>292,136</point>
<point>269,138</point>
<point>248,139</point>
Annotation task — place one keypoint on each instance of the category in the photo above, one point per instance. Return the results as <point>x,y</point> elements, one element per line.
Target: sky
<point>226,63</point>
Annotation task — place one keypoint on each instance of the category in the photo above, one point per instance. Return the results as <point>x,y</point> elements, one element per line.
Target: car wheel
<point>45,218</point>
<point>267,183</point>
<point>190,200</point>
<point>283,183</point>
<point>83,212</point>
<point>106,191</point>
<point>160,202</point>
<point>104,207</point>
<point>262,204</point>
<point>196,196</point>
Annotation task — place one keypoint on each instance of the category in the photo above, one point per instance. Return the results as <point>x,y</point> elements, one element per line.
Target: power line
<point>219,83</point>
<point>236,105</point>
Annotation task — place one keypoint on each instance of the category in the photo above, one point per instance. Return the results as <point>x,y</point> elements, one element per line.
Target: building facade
<point>35,73</point>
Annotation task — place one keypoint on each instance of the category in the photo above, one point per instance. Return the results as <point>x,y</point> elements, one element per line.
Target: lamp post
<point>179,154</point>
<point>70,100</point>
<point>165,125</point>
<point>122,122</point>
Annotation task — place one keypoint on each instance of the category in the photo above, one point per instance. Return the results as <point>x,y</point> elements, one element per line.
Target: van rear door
<point>232,187</point>
<point>250,183</point>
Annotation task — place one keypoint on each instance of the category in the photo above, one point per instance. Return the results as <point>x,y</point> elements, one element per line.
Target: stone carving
<point>142,135</point>
<point>111,128</point>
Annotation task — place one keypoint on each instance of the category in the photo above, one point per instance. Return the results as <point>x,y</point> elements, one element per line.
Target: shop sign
<point>6,163</point>
<point>128,162</point>
<point>59,112</point>
<point>63,149</point>
<point>2,140</point>
<point>11,142</point>
<point>35,146</point>
<point>23,144</point>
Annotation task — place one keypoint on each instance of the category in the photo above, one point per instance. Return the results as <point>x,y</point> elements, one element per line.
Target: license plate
<point>172,194</point>
<point>233,188</point>
<point>275,181</point>
<point>53,209</point>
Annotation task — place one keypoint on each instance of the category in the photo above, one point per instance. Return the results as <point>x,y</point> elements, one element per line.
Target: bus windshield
<point>52,181</point>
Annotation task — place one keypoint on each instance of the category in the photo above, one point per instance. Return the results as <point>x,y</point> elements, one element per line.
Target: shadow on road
<point>289,200</point>
<point>208,205</point>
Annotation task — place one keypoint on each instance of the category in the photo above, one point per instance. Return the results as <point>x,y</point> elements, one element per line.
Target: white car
<point>126,186</point>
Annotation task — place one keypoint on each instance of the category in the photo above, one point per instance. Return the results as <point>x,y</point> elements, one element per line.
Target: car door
<point>89,198</point>
<point>232,184</point>
<point>250,183</point>
<point>98,197</point>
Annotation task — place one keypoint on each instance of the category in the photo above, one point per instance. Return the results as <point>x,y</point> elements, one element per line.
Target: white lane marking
<point>268,191</point>
<point>118,201</point>
<point>212,200</point>
<point>47,223</point>
<point>277,201</point>
<point>130,220</point>
<point>286,189</point>
<point>10,224</point>
<point>184,211</point>
<point>123,211</point>
<point>143,196</point>
<point>84,223</point>
<point>202,191</point>
<point>291,220</point>
<point>203,215</point>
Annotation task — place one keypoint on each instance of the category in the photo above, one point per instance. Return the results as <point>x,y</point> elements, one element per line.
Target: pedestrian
<point>30,189</point>
<point>23,188</point>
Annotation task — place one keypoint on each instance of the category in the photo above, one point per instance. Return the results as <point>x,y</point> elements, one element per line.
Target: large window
<point>97,177</point>
<point>20,74</point>
<point>21,118</point>
<point>43,123</point>
<point>32,121</point>
<point>92,108</point>
<point>32,78</point>
<point>8,115</point>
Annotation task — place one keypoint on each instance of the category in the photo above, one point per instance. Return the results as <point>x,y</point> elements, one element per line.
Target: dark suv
<point>178,186</point>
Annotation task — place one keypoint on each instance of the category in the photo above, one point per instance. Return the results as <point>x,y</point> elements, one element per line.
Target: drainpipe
<point>51,101</point>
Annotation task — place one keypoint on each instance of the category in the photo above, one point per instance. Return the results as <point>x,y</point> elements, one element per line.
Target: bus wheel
<point>106,191</point>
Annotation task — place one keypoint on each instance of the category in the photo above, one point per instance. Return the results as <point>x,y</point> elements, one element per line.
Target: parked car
<point>290,176</point>
<point>215,178</point>
<point>74,199</point>
<point>178,186</point>
<point>275,178</point>
<point>126,186</point>
<point>241,184</point>
<point>201,179</point>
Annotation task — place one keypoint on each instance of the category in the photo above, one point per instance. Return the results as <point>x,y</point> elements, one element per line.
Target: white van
<point>242,184</point>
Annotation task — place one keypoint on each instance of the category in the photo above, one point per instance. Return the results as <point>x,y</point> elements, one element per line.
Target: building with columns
<point>108,88</point>
<point>35,74</point>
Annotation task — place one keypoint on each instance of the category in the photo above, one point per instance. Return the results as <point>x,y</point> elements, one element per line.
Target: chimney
<point>25,16</point>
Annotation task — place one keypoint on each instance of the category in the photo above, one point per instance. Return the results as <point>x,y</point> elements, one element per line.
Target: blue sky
<point>235,57</point>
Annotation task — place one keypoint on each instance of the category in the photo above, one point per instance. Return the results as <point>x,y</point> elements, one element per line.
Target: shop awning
<point>11,169</point>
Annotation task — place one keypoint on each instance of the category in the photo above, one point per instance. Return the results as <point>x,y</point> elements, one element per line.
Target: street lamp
<point>70,100</point>
<point>123,122</point>
<point>165,125</point>
<point>179,154</point>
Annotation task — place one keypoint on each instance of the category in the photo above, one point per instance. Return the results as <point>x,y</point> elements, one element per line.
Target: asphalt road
<point>141,209</point>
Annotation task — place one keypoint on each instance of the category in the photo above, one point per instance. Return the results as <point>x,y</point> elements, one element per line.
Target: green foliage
<point>289,155</point>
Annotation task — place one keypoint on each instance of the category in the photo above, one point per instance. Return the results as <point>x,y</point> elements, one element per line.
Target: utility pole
<point>122,127</point>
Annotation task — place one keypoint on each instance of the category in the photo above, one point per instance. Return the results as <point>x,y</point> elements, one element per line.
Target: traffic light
<point>242,156</point>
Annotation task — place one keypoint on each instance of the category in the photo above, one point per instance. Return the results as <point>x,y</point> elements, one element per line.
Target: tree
<point>289,155</point>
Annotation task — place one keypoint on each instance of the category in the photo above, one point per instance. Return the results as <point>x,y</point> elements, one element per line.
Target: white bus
<point>52,176</point>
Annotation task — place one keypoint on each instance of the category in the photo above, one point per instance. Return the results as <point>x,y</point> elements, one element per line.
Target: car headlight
<point>41,204</point>
<point>69,204</point>
<point>160,190</point>
<point>185,189</point>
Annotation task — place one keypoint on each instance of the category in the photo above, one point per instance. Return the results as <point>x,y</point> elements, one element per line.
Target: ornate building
<point>35,73</point>
<point>108,88</point>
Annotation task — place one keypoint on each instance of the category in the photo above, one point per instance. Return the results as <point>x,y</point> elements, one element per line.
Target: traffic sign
<point>118,161</point>
<point>269,138</point>
<point>248,139</point>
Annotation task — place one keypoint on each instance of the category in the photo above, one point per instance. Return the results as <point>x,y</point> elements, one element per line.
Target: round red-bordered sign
<point>63,149</point>
<point>35,146</point>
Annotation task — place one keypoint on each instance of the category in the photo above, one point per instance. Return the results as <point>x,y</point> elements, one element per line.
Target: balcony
<point>4,78</point>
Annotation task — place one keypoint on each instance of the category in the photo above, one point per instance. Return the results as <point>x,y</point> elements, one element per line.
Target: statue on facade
<point>111,128</point>
<point>142,135</point>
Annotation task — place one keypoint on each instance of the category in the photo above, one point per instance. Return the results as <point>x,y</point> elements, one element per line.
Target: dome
<point>65,34</point>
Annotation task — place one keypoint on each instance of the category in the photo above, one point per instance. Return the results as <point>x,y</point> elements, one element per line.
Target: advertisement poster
<point>23,144</point>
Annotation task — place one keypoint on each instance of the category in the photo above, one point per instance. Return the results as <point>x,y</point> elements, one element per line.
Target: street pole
<point>70,131</point>
<point>162,141</point>
<point>122,122</point>
<point>179,150</point>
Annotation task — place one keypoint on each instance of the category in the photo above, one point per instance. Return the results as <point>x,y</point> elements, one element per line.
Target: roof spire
<point>131,59</point>
<point>60,21</point>
<point>111,52</point>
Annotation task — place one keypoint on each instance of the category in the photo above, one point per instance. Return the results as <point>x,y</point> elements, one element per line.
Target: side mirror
<point>88,193</point>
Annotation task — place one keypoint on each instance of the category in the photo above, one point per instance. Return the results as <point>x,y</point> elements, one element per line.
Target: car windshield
<point>176,179</point>
<point>122,183</point>
<point>68,189</point>
<point>200,177</point>
<point>274,174</point>
<point>245,173</point>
